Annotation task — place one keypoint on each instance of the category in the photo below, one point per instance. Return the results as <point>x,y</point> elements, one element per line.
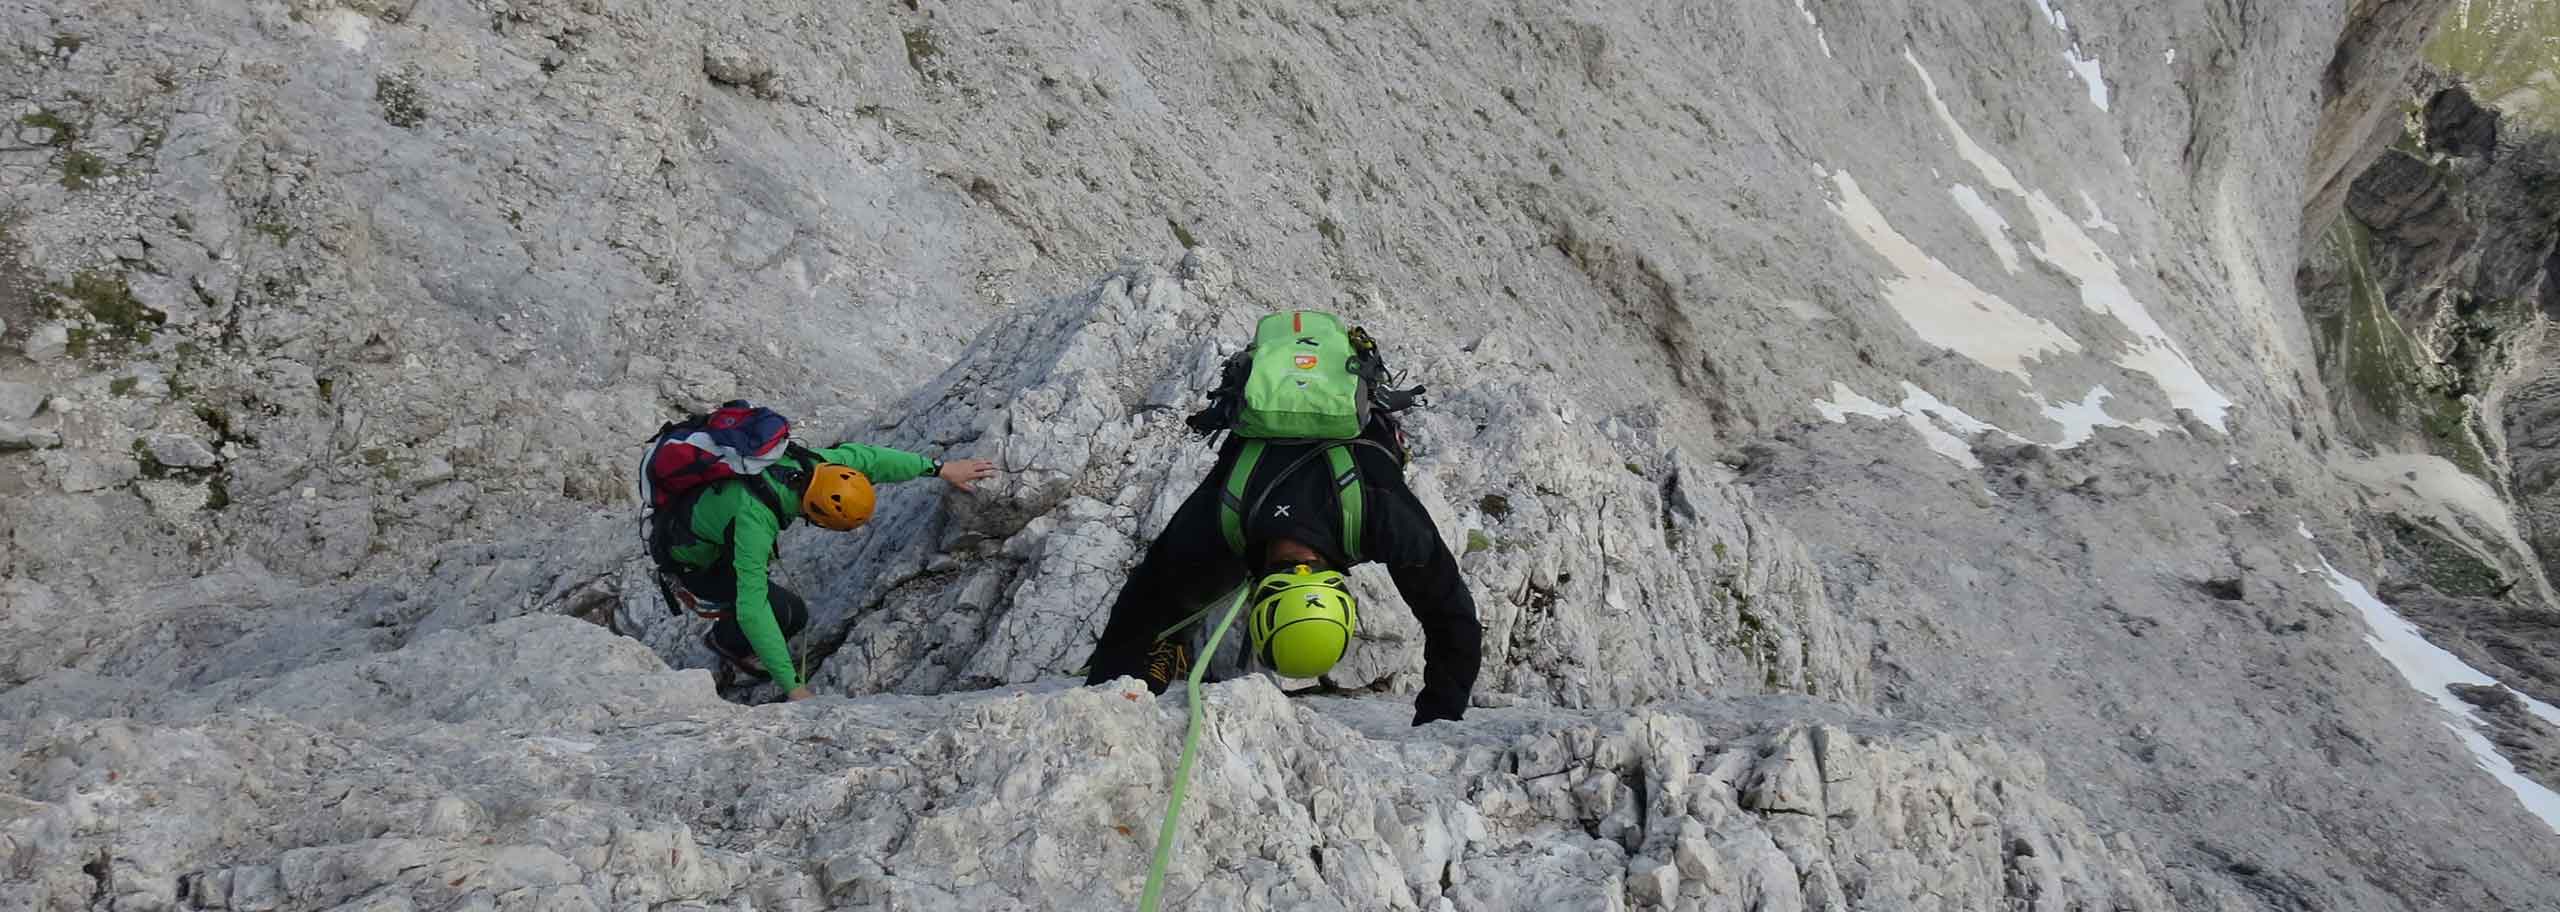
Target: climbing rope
<point>1190,745</point>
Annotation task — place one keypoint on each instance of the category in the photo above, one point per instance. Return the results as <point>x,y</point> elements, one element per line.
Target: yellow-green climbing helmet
<point>1303,620</point>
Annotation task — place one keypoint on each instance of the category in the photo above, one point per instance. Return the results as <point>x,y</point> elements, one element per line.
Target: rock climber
<point>718,566</point>
<point>1291,507</point>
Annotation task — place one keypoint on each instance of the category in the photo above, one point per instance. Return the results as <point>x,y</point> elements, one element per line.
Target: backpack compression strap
<point>1346,486</point>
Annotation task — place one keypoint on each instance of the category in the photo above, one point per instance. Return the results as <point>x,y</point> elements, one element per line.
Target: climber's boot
<point>1168,662</point>
<point>748,666</point>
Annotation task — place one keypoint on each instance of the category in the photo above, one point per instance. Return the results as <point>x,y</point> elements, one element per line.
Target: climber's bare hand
<point>963,473</point>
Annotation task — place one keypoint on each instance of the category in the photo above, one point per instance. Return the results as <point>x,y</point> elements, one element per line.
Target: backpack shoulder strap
<point>1231,500</point>
<point>1346,486</point>
<point>762,488</point>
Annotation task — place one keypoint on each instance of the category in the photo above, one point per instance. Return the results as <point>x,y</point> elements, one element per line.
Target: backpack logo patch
<point>1306,362</point>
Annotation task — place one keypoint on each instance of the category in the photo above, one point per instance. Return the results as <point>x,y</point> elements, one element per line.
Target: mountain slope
<point>1927,372</point>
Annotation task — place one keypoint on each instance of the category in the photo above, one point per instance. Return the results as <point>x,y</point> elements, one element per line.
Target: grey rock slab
<point>20,401</point>
<point>731,64</point>
<point>46,342</point>
<point>180,451</point>
<point>1335,803</point>
<point>17,436</point>
<point>82,472</point>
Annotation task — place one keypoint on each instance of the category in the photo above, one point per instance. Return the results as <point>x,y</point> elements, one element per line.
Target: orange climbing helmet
<point>837,498</point>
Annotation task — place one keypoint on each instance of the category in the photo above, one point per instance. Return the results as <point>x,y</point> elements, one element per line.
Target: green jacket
<point>730,515</point>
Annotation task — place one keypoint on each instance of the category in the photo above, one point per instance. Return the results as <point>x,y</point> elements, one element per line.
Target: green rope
<point>1190,746</point>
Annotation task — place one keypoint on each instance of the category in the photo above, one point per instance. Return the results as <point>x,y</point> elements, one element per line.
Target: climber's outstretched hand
<point>962,473</point>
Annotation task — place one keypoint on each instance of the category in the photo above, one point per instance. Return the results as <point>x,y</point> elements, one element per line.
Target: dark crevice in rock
<point>2459,126</point>
<point>2274,888</point>
<point>102,870</point>
<point>2226,588</point>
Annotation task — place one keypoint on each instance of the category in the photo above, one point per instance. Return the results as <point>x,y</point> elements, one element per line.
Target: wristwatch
<point>937,469</point>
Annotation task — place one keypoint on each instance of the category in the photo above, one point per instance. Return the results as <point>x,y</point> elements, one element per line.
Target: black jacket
<point>1190,564</point>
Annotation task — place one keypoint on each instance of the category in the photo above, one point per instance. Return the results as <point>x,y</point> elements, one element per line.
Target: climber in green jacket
<point>732,545</point>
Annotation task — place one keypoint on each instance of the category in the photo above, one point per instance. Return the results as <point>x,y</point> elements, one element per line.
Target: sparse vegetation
<point>112,315</point>
<point>2382,362</point>
<point>403,103</point>
<point>921,51</point>
<point>64,133</point>
<point>2502,47</point>
<point>2447,567</point>
<point>81,170</point>
<point>1181,234</point>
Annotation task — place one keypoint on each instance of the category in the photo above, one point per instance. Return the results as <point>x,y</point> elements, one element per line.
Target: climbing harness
<point>1190,747</point>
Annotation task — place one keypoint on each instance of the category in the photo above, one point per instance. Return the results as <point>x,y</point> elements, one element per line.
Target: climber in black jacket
<point>1294,533</point>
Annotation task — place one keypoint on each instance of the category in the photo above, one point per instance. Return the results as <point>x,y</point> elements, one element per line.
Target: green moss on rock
<point>113,316</point>
<point>2446,566</point>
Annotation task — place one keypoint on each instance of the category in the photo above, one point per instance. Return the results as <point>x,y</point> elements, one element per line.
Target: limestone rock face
<point>569,769</point>
<point>1690,589</point>
<point>1892,458</point>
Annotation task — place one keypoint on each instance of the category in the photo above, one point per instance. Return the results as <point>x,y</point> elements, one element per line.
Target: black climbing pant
<point>789,613</point>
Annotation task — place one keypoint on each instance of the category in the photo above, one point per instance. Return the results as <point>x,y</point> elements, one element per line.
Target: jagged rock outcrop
<point>1689,589</point>
<point>2378,46</point>
<point>2457,125</point>
<point>540,763</point>
<point>1933,360</point>
<point>2429,299</point>
<point>2532,418</point>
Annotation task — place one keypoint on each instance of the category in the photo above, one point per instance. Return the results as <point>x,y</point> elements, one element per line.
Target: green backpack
<point>1307,380</point>
<point>1304,380</point>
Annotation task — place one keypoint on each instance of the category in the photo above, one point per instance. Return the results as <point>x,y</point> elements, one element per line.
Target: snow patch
<point>2097,220</point>
<point>353,30</point>
<point>1817,27</point>
<point>2084,65</point>
<point>2087,67</point>
<point>1949,430</point>
<point>1945,308</point>
<point>2069,248</point>
<point>2433,671</point>
<point>1946,429</point>
<point>2169,57</point>
<point>1995,230</point>
<point>2081,420</point>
